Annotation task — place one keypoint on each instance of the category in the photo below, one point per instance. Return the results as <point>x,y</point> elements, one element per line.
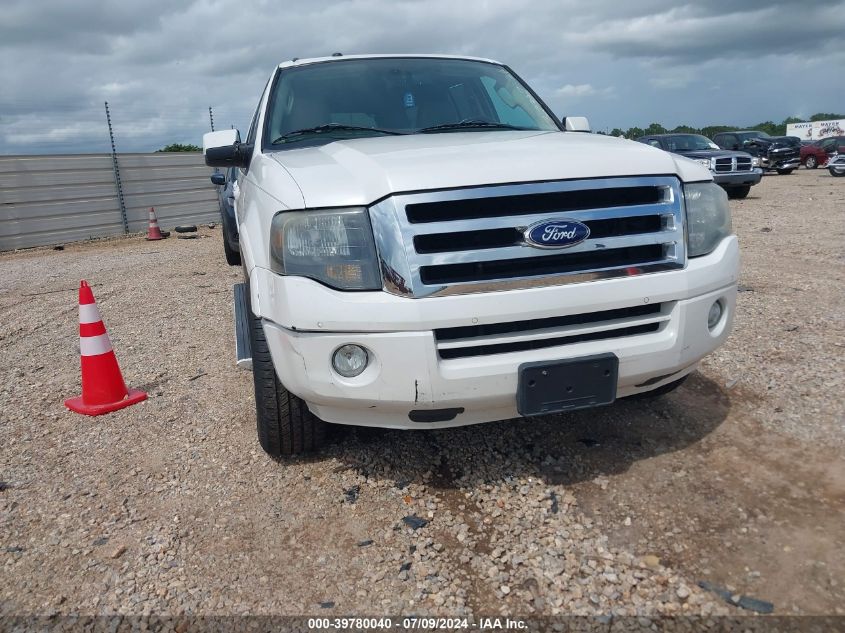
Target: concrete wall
<point>47,200</point>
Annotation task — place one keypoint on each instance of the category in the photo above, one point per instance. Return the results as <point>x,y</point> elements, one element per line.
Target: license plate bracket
<point>566,385</point>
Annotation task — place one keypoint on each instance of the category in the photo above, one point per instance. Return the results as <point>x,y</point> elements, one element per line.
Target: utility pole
<point>116,169</point>
<point>211,118</point>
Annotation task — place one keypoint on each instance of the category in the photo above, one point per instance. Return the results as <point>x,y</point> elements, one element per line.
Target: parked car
<point>836,165</point>
<point>733,171</point>
<point>426,246</point>
<point>226,193</point>
<point>777,153</point>
<point>817,153</point>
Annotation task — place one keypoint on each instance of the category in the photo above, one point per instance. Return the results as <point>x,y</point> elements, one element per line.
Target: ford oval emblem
<point>556,233</point>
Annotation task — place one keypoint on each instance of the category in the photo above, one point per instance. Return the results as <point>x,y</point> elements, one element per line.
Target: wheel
<point>785,172</point>
<point>812,162</point>
<point>660,391</point>
<point>835,173</point>
<point>233,257</point>
<point>285,425</point>
<point>739,193</point>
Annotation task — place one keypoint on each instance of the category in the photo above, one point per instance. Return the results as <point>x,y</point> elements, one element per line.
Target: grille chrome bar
<point>570,339</point>
<point>520,252</point>
<point>544,333</point>
<point>411,271</point>
<point>527,220</point>
<point>514,336</point>
<point>562,201</point>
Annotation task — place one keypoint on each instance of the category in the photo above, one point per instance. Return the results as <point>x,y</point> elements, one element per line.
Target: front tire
<point>785,172</point>
<point>811,163</point>
<point>285,425</point>
<point>835,173</point>
<point>738,193</point>
<point>233,257</point>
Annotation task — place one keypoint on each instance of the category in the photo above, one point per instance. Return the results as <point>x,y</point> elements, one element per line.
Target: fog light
<point>350,360</point>
<point>715,314</point>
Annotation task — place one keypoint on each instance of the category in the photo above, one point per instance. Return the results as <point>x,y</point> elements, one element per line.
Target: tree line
<point>770,127</point>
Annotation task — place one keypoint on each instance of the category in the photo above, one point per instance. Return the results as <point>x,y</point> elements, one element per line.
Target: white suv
<point>426,245</point>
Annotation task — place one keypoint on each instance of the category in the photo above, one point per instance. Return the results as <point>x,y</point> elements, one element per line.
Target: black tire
<point>285,425</point>
<point>233,257</point>
<point>660,391</point>
<point>785,172</point>
<point>811,162</point>
<point>738,193</point>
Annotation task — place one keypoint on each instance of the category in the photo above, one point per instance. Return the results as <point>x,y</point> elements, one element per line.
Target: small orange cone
<point>153,232</point>
<point>103,389</point>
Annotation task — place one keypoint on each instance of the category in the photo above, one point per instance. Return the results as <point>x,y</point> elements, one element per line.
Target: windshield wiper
<point>469,123</point>
<point>330,127</point>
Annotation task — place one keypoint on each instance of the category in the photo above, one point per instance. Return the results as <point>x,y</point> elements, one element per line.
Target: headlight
<point>708,217</point>
<point>755,161</point>
<point>333,246</point>
<point>703,161</point>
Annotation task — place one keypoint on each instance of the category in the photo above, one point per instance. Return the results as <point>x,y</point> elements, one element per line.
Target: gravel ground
<point>170,507</point>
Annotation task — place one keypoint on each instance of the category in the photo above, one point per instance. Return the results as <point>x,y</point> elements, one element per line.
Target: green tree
<point>685,129</point>
<point>826,116</point>
<point>179,147</point>
<point>655,128</point>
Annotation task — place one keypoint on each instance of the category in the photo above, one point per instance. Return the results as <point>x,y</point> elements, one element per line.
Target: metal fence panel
<point>47,200</point>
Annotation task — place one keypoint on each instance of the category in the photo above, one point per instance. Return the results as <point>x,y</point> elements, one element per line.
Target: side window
<point>500,98</point>
<point>654,143</point>
<point>728,141</point>
<point>253,126</point>
<point>829,145</point>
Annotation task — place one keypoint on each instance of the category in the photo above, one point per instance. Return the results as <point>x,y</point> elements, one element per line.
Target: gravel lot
<point>170,506</point>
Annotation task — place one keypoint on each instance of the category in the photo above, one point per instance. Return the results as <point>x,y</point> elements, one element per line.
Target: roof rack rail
<point>337,54</point>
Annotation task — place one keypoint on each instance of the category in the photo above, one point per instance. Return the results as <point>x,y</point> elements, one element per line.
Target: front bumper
<point>738,179</point>
<point>305,322</point>
<point>776,163</point>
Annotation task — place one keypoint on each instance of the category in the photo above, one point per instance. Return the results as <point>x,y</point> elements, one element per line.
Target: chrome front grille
<point>730,164</point>
<point>518,336</point>
<point>472,240</point>
<point>724,165</point>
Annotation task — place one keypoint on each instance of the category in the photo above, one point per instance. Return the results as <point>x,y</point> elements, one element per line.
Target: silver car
<point>836,165</point>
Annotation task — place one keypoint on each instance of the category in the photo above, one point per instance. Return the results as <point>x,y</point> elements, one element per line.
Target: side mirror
<point>576,124</point>
<point>218,179</point>
<point>237,155</point>
<point>219,139</point>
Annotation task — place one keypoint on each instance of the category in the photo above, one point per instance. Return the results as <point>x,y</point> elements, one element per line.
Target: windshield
<point>689,142</point>
<point>373,97</point>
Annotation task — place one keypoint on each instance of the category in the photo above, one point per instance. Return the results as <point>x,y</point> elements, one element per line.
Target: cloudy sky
<point>161,63</point>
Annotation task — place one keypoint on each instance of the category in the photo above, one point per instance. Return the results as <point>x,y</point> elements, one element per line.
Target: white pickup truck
<point>426,245</point>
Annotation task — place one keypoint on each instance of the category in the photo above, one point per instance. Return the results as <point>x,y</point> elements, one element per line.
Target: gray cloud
<point>161,64</point>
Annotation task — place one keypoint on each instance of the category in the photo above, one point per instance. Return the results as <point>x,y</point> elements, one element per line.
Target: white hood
<point>361,171</point>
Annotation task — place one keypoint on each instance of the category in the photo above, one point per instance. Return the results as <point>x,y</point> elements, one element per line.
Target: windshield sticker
<point>408,100</point>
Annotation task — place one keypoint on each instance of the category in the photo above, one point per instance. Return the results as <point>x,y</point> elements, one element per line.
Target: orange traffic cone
<point>103,389</point>
<point>153,232</point>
